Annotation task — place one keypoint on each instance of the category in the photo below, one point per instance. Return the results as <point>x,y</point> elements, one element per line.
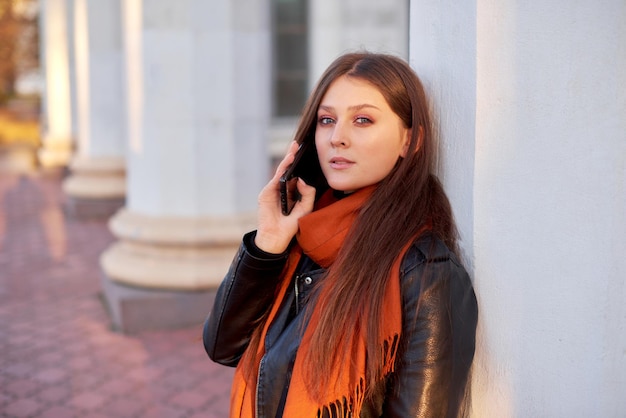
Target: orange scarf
<point>320,235</point>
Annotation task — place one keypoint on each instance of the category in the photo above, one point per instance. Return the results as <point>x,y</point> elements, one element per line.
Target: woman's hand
<point>275,230</point>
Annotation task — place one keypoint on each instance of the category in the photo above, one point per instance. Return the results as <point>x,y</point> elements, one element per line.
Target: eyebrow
<point>351,108</point>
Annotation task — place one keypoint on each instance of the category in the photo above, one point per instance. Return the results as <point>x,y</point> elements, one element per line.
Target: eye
<point>362,120</point>
<point>324,120</point>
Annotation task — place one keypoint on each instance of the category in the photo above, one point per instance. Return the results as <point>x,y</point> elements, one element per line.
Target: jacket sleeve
<point>437,347</point>
<point>241,300</point>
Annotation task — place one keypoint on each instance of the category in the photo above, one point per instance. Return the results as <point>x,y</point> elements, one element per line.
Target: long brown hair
<point>409,200</point>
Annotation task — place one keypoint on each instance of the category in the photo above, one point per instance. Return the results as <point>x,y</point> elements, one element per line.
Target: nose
<point>338,136</point>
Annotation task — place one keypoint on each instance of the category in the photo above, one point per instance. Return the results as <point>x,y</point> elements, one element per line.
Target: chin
<point>345,188</point>
<point>342,186</point>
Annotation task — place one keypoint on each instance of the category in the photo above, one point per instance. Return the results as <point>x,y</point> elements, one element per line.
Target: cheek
<point>380,163</point>
<point>388,149</point>
<point>386,164</point>
<point>384,158</point>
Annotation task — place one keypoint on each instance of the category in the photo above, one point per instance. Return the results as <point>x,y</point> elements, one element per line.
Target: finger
<point>273,184</point>
<point>305,190</point>
<point>305,205</point>
<point>293,147</point>
<point>287,160</point>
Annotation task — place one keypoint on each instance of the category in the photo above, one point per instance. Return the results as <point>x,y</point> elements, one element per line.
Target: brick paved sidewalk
<point>58,355</point>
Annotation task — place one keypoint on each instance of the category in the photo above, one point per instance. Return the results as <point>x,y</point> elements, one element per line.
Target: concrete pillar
<point>57,135</point>
<point>97,184</point>
<point>198,99</point>
<point>531,114</point>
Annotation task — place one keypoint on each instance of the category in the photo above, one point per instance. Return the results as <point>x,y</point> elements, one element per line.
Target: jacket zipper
<point>258,377</point>
<point>296,292</point>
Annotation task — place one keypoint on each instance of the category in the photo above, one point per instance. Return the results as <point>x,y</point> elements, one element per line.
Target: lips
<point>339,163</point>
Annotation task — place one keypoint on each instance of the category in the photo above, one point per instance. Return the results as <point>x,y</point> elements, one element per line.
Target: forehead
<point>350,91</point>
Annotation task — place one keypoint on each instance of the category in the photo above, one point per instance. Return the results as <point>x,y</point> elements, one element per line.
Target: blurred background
<point>166,119</point>
<point>135,136</point>
<point>20,84</point>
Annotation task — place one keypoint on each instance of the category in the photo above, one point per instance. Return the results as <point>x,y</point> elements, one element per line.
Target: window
<point>290,57</point>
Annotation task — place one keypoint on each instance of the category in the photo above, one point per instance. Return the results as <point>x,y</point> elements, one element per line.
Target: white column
<point>97,184</point>
<point>57,135</point>
<point>531,111</point>
<point>445,61</point>
<point>198,101</point>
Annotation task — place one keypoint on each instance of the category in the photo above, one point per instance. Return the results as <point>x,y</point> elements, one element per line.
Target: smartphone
<point>305,166</point>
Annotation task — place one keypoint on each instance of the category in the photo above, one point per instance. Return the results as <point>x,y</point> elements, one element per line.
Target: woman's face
<point>358,137</point>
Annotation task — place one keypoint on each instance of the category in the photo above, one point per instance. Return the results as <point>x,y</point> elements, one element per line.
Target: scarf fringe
<point>346,407</point>
<point>350,407</point>
<point>390,348</point>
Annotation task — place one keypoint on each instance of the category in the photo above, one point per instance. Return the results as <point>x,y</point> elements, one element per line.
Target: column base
<point>84,209</point>
<point>55,152</point>
<point>138,309</point>
<point>163,272</point>
<point>96,187</point>
<point>171,267</point>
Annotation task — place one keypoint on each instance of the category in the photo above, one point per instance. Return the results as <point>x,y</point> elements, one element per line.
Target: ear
<point>408,134</point>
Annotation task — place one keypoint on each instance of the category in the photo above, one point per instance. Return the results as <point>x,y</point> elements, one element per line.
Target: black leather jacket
<point>437,344</point>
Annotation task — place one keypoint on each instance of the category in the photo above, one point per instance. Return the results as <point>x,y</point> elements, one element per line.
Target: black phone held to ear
<point>288,182</point>
<point>306,165</point>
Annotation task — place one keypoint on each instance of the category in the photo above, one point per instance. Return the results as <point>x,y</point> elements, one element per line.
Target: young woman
<point>355,304</point>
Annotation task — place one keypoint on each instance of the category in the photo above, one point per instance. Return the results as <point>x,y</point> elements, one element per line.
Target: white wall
<point>545,165</point>
<point>443,53</point>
